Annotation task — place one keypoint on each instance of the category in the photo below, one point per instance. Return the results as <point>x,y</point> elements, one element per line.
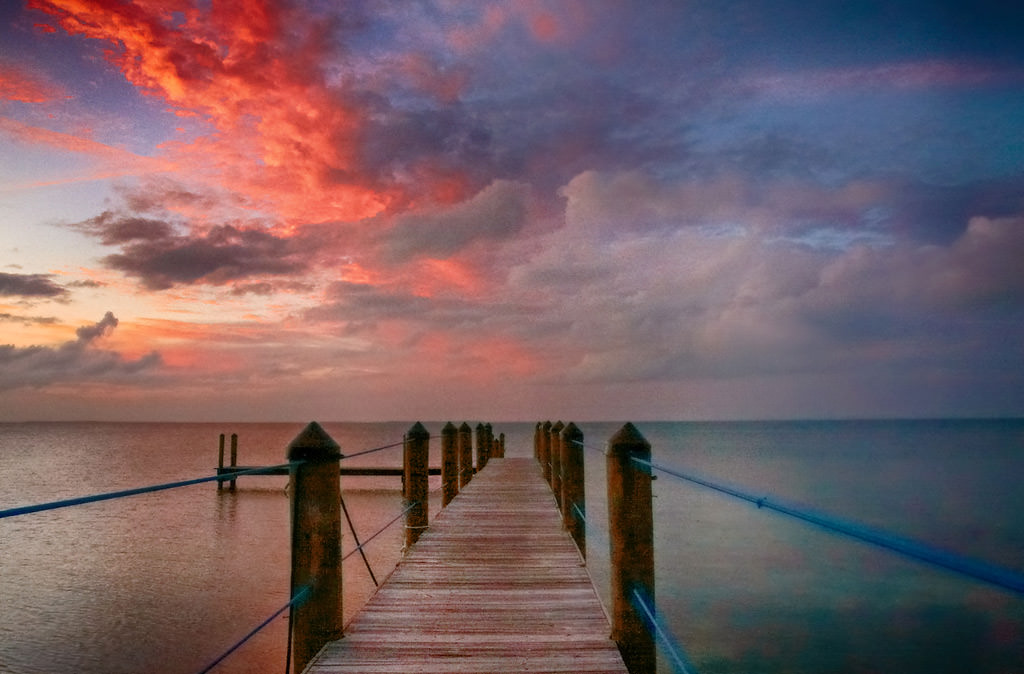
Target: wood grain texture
<point>495,585</point>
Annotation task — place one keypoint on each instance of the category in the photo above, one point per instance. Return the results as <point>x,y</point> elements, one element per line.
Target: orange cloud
<point>206,347</point>
<point>254,70</point>
<point>438,276</point>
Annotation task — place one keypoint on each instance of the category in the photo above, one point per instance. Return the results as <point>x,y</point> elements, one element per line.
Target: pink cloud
<point>111,161</point>
<point>18,83</point>
<point>814,84</point>
<point>253,70</point>
<point>544,21</point>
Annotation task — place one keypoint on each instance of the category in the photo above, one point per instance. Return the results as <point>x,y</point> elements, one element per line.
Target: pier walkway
<point>494,585</point>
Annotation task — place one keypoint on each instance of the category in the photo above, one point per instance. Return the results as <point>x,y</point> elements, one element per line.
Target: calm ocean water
<point>165,582</point>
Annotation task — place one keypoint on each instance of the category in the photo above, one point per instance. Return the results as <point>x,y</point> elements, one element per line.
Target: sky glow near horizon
<point>442,209</point>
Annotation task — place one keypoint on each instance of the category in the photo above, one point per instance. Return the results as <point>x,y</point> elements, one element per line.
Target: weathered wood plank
<point>495,585</point>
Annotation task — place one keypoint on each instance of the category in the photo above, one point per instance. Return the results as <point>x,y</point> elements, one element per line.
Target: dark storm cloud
<point>395,141</point>
<point>113,229</point>
<point>30,285</point>
<point>152,252</point>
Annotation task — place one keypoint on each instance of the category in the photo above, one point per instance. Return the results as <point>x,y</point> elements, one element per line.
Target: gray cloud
<point>497,212</point>
<point>152,252</point>
<point>646,298</point>
<point>114,228</point>
<point>28,320</point>
<point>362,306</point>
<point>76,361</point>
<point>30,285</point>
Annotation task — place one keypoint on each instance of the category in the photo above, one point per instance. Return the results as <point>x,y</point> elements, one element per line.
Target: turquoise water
<point>165,582</point>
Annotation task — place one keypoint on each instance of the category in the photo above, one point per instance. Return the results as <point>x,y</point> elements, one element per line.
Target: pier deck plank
<point>495,585</point>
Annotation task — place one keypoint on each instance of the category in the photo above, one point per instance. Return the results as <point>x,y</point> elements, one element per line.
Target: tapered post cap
<point>313,444</point>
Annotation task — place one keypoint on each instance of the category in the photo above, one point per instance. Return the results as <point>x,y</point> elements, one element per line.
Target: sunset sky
<point>459,209</point>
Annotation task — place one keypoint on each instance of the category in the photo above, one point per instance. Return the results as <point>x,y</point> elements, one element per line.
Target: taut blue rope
<point>377,449</point>
<point>655,625</point>
<point>81,500</point>
<point>381,530</point>
<point>999,576</point>
<point>300,597</point>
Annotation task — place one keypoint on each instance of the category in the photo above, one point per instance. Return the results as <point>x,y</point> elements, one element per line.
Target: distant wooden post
<point>315,489</point>
<point>492,448</point>
<point>574,508</point>
<point>536,442</point>
<point>220,462</point>
<point>417,457</point>
<point>465,454</point>
<point>481,446</point>
<point>545,451</point>
<point>449,463</point>
<point>631,531</point>
<point>234,456</point>
<point>556,462</point>
<point>501,445</point>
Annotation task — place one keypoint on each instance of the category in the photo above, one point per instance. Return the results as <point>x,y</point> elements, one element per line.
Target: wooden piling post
<point>481,446</point>
<point>536,442</point>
<point>417,457</point>
<point>449,463</point>
<point>220,462</point>
<point>556,462</point>
<point>465,454</point>
<point>234,456</point>
<point>545,451</point>
<point>574,508</point>
<point>501,445</point>
<point>631,532</point>
<point>315,489</point>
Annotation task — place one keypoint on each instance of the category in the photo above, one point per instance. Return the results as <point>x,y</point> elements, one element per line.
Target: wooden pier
<point>495,584</point>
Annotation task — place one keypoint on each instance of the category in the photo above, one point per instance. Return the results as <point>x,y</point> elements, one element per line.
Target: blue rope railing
<point>300,597</point>
<point>374,449</point>
<point>999,576</point>
<point>223,476</point>
<point>655,624</point>
<point>94,498</point>
<point>979,570</point>
<point>652,618</point>
<point>381,530</point>
<point>382,447</point>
